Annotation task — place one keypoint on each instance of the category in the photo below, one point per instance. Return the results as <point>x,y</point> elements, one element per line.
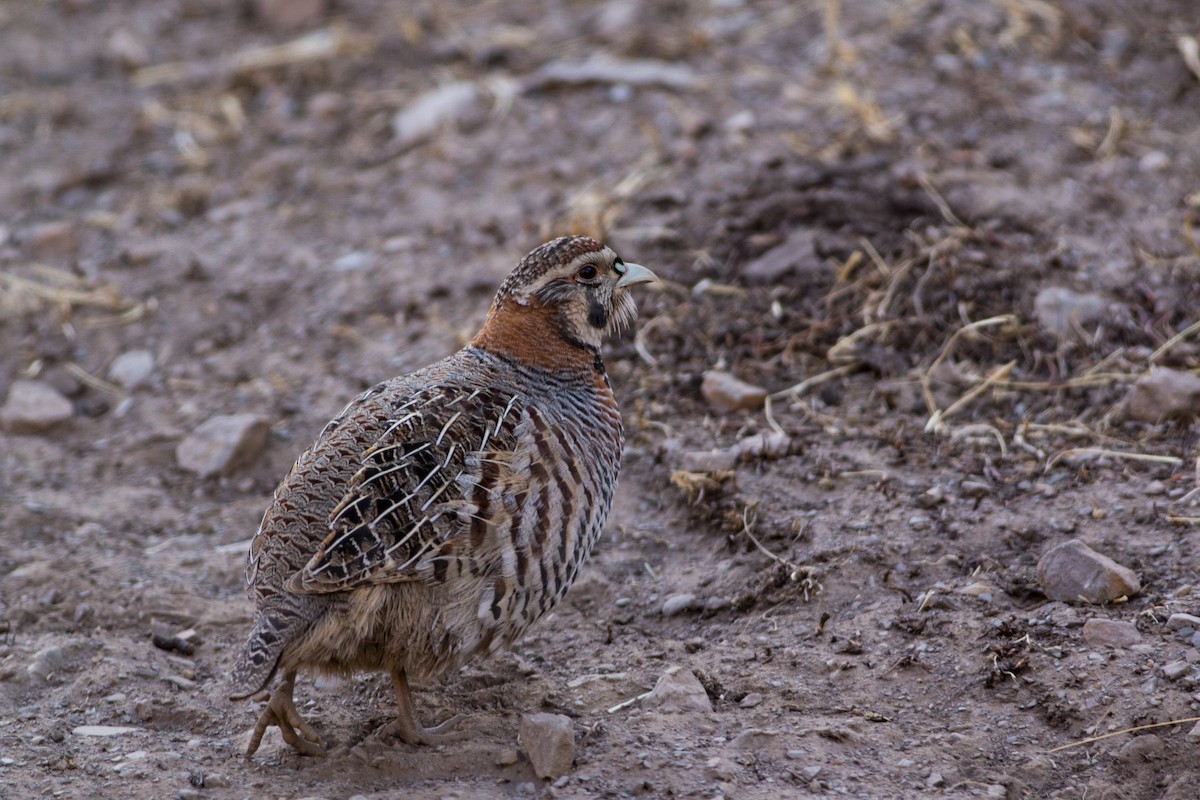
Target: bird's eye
<point>587,272</point>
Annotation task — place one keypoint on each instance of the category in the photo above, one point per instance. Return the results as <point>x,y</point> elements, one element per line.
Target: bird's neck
<point>536,336</point>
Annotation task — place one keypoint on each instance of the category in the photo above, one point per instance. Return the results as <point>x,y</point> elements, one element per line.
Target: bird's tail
<point>259,658</point>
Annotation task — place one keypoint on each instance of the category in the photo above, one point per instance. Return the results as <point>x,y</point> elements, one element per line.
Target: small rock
<point>763,446</point>
<point>935,780</point>
<point>1141,749</point>
<point>1165,394</point>
<point>507,758</point>
<point>1177,621</point>
<point>549,741</point>
<point>102,730</point>
<point>34,407</point>
<point>352,262</point>
<point>601,68</point>
<point>1072,571</point>
<point>677,690</point>
<point>47,662</point>
<point>289,15</point>
<point>1110,632</point>
<point>1155,488</point>
<point>678,603</point>
<point>797,253</point>
<point>751,700</point>
<point>126,50</point>
<point>222,444</point>
<point>724,392</point>
<point>54,240</point>
<point>425,116</point>
<point>753,739</point>
<point>975,489</point>
<point>1193,735</point>
<point>720,769</point>
<point>981,589</point>
<point>132,368</point>
<point>1060,310</point>
<point>709,461</point>
<point>1176,670</point>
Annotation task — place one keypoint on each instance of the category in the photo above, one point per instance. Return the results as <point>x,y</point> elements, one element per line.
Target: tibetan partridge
<point>443,512</point>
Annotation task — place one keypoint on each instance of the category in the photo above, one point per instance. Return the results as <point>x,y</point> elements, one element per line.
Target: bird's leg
<point>281,711</point>
<point>406,725</point>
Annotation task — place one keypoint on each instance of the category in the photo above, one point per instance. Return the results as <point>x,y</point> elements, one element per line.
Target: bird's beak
<point>635,273</point>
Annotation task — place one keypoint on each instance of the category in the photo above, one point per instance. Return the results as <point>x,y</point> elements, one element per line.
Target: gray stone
<point>796,253</point>
<point>708,461</point>
<point>1176,670</point>
<point>1110,632</point>
<point>222,444</point>
<point>751,700</point>
<point>1074,572</point>
<point>678,603</point>
<point>34,407</point>
<point>724,392</point>
<point>1177,621</point>
<point>102,730</point>
<point>1165,394</point>
<point>1061,311</point>
<point>677,690</point>
<point>126,50</point>
<point>46,662</point>
<point>428,113</point>
<point>1141,749</point>
<point>132,368</point>
<point>766,446</point>
<point>549,741</point>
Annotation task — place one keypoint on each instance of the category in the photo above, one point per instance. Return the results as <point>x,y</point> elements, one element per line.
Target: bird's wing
<point>440,478</point>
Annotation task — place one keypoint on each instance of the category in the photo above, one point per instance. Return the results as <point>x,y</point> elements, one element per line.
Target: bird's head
<point>571,292</point>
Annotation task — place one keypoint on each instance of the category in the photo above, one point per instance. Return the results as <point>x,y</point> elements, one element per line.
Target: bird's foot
<point>410,731</point>
<point>281,711</point>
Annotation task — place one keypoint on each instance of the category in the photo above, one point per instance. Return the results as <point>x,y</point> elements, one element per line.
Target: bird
<point>443,512</point>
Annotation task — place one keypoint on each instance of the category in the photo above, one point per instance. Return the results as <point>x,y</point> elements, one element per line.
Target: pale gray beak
<point>635,273</point>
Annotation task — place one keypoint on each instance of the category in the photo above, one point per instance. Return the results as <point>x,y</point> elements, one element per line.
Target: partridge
<point>443,512</point>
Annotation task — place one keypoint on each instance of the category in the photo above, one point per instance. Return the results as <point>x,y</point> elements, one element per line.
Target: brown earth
<point>867,616</point>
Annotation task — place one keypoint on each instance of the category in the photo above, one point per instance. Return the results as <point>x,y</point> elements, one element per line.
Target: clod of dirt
<point>288,15</point>
<point>34,407</point>
<point>1141,748</point>
<point>549,741</point>
<point>1111,632</point>
<point>1072,572</point>
<point>724,392</point>
<point>1062,311</point>
<point>222,444</point>
<point>677,690</point>
<point>1165,394</point>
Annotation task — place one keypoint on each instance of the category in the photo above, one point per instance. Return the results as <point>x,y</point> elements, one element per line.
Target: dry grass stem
<point>816,380</point>
<point>1123,731</point>
<point>978,429</point>
<point>936,420</point>
<point>1099,452</point>
<point>1189,48</point>
<point>943,207</point>
<point>1170,344</point>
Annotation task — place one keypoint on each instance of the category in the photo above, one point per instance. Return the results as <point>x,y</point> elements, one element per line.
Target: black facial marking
<point>597,313</point>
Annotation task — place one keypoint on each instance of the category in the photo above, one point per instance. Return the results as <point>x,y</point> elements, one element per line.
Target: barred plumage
<point>443,512</point>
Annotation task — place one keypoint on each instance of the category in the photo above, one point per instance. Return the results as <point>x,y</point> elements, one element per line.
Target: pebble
<point>1072,571</point>
<point>601,68</point>
<point>754,739</point>
<point>1193,735</point>
<point>724,392</point>
<point>1155,488</point>
<point>47,662</point>
<point>428,113</point>
<point>507,758</point>
<point>1165,394</point>
<point>222,444</point>
<point>132,368</point>
<point>677,690</point>
<point>126,50</point>
<point>709,461</point>
<point>34,407</point>
<point>1140,749</point>
<point>1176,670</point>
<point>678,603</point>
<point>102,730</point>
<point>751,700</point>
<point>1177,621</point>
<point>549,741</point>
<point>795,253</point>
<point>352,262</point>
<point>1110,632</point>
<point>289,15</point>
<point>1060,310</point>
